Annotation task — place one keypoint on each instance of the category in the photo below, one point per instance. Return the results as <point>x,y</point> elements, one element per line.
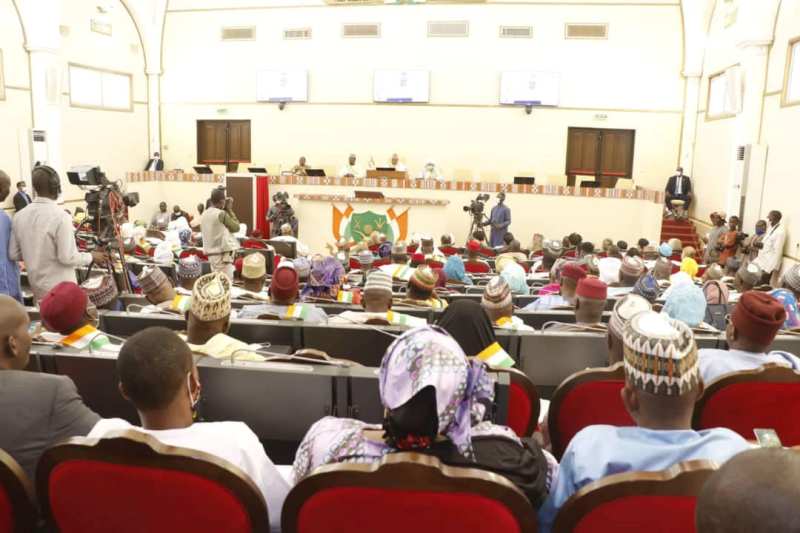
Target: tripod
<point>476,224</point>
<point>109,239</point>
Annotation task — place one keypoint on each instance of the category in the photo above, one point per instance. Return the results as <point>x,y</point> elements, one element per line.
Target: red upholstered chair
<point>17,510</point>
<point>487,252</point>
<point>584,399</point>
<point>354,264</point>
<point>767,397</point>
<point>130,482</point>
<point>633,502</point>
<point>434,264</point>
<point>254,244</point>
<point>405,492</point>
<point>195,252</point>
<point>411,249</point>
<point>523,403</point>
<point>477,267</point>
<point>450,250</point>
<point>374,248</point>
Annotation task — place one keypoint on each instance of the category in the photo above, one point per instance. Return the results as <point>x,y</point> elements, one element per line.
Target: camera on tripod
<point>477,206</point>
<point>105,202</point>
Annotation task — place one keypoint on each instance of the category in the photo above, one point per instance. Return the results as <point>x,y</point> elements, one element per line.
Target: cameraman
<point>218,224</point>
<point>43,237</point>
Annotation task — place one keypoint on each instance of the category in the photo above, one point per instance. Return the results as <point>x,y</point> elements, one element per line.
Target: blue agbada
<point>500,219</point>
<point>454,268</point>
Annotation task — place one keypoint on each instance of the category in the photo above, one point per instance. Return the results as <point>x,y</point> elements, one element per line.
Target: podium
<point>386,174</point>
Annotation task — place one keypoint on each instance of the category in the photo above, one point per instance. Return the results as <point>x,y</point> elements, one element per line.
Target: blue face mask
<point>760,231</point>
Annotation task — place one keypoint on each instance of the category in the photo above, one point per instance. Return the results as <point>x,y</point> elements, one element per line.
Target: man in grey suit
<point>36,410</point>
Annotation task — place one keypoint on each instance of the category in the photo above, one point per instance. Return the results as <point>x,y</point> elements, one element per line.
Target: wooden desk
<point>387,174</point>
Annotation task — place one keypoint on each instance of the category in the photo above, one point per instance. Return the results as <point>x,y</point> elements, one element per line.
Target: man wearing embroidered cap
<point>662,383</point>
<point>189,269</point>
<point>102,291</point>
<point>747,278</point>
<point>254,270</point>
<point>647,288</point>
<point>498,303</point>
<point>755,321</point>
<point>686,303</point>
<point>377,303</point>
<point>211,308</point>
<point>591,296</point>
<point>791,280</point>
<point>569,276</point>
<point>630,271</point>
<point>420,289</point>
<point>626,308</point>
<point>283,292</point>
<point>155,285</point>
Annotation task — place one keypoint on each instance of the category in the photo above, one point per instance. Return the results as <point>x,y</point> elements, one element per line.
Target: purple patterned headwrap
<point>385,249</point>
<point>325,273</point>
<point>426,356</point>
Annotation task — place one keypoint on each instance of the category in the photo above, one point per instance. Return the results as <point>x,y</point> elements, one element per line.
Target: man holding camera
<point>43,237</point>
<point>218,224</point>
<point>499,220</point>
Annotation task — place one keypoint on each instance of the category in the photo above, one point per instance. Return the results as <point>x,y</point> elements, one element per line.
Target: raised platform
<point>680,229</point>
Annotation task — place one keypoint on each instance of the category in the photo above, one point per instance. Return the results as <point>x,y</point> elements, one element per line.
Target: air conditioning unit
<point>748,171</point>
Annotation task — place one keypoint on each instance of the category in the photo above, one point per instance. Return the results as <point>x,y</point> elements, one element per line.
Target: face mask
<point>760,231</point>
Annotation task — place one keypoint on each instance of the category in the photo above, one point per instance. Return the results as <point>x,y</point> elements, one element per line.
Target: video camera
<point>477,206</point>
<point>105,202</point>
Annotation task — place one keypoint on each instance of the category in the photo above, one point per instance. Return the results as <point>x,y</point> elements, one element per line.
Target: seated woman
<point>455,271</point>
<point>434,400</point>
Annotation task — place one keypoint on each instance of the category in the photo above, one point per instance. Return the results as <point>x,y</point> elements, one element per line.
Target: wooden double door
<point>223,141</point>
<point>606,154</point>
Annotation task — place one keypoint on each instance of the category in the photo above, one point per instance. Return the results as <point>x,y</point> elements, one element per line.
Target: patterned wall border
<point>352,200</point>
<point>465,186</point>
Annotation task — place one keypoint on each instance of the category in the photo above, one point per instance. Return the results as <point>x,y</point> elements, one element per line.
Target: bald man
<point>36,410</point>
<point>9,270</point>
<point>43,237</point>
<point>757,490</point>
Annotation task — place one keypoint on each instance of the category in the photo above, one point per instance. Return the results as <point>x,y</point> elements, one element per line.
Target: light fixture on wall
<point>528,109</point>
<point>282,105</point>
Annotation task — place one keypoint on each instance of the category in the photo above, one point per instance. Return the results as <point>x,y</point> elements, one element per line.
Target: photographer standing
<point>43,237</point>
<point>218,224</point>
<point>499,220</point>
<point>730,241</point>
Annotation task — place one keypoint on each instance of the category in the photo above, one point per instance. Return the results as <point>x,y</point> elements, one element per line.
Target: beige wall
<point>15,109</point>
<point>633,77</point>
<point>779,131</point>
<point>714,143</point>
<point>116,140</point>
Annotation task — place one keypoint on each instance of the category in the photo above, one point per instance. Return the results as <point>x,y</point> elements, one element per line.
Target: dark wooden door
<point>240,188</point>
<point>222,141</point>
<point>605,154</point>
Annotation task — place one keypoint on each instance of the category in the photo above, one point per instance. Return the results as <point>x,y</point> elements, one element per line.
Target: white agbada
<point>770,256</point>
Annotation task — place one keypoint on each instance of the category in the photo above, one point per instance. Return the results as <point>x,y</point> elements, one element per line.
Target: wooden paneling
<point>240,188</point>
<point>604,153</point>
<point>219,141</point>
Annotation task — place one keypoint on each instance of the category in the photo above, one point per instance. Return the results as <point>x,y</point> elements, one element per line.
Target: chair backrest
<point>406,492</point>
<point>632,502</point>
<point>523,403</point>
<point>131,482</point>
<point>767,397</point>
<point>450,250</point>
<point>434,264</point>
<point>17,511</point>
<point>584,399</point>
<point>477,267</point>
<point>487,252</point>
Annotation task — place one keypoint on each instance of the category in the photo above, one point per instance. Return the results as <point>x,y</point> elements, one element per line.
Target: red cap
<point>474,246</point>
<point>417,258</point>
<point>573,270</point>
<point>758,317</point>
<point>64,307</point>
<point>238,264</point>
<point>284,284</point>
<point>592,288</point>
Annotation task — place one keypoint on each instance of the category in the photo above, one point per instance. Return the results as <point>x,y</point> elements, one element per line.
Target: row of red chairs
<point>131,482</point>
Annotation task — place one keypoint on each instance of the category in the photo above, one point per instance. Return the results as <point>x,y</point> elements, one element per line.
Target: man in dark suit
<point>21,198</point>
<point>679,187</point>
<point>36,410</point>
<point>155,163</point>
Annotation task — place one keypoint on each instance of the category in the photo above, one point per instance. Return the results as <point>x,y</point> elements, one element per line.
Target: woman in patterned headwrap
<point>324,278</point>
<point>455,271</point>
<point>435,400</point>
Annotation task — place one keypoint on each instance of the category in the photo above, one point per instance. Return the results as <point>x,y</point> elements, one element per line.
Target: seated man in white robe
<point>430,172</point>
<point>499,305</point>
<point>755,321</point>
<point>158,376</point>
<point>661,406</point>
<point>351,169</point>
<point>377,303</point>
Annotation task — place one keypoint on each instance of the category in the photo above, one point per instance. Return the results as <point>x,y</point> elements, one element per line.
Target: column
<point>154,110</point>
<point>46,89</point>
<point>690,107</point>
